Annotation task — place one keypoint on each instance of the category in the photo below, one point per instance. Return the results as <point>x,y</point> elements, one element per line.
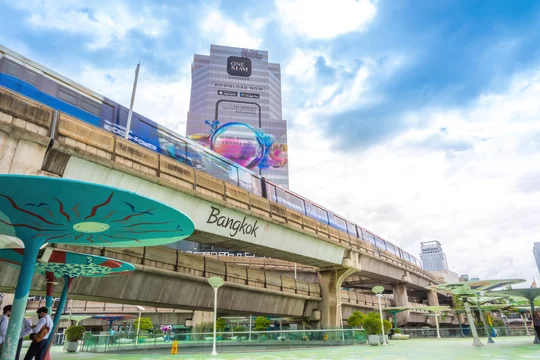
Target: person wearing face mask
<point>39,335</point>
<point>6,313</point>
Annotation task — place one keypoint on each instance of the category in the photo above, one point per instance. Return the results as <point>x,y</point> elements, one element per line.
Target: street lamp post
<point>437,325</point>
<point>378,290</point>
<point>341,321</point>
<point>140,308</point>
<point>215,282</point>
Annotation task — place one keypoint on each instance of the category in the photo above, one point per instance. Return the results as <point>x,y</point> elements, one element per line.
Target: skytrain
<point>46,86</point>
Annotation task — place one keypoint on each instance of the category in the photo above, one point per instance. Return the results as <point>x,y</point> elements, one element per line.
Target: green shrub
<point>146,324</point>
<point>356,319</point>
<point>220,324</point>
<point>261,323</point>
<point>75,333</point>
<point>238,328</point>
<point>397,331</point>
<point>372,324</point>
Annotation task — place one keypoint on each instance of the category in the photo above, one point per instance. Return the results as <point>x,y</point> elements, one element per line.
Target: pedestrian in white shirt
<point>6,313</point>
<point>25,331</point>
<point>37,348</point>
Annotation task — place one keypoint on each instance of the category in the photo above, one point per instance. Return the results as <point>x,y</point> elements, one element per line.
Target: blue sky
<point>418,118</point>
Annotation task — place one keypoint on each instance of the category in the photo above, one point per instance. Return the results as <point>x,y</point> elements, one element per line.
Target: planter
<point>373,340</point>
<point>383,339</point>
<point>71,346</point>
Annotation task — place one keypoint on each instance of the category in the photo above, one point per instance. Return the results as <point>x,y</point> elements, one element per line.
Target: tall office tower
<point>432,256</point>
<point>536,252</point>
<point>235,109</point>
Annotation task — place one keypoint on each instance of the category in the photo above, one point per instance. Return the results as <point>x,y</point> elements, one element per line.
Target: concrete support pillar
<point>203,321</point>
<point>20,156</point>
<point>432,298</point>
<point>330,281</point>
<point>401,299</point>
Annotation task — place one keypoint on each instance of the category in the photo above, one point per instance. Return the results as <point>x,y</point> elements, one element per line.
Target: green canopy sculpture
<point>67,265</point>
<point>436,311</point>
<point>394,311</point>
<point>471,289</point>
<point>39,210</point>
<point>529,294</point>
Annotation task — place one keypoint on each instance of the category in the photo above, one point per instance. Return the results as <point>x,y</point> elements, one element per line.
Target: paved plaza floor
<point>509,348</point>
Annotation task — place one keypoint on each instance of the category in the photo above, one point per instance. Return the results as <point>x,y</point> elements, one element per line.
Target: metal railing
<point>456,332</point>
<point>226,341</point>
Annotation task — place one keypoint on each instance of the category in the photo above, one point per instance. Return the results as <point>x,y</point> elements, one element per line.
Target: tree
<point>356,319</point>
<point>220,324</point>
<point>261,323</point>
<point>146,324</point>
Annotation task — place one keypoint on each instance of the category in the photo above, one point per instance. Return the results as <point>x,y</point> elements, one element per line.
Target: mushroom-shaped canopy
<point>38,209</point>
<point>529,294</point>
<point>66,263</point>
<point>470,288</point>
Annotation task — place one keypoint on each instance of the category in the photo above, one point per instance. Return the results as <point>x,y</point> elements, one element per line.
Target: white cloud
<point>463,176</point>
<point>324,19</point>
<point>101,22</point>
<point>221,30</point>
<point>301,64</point>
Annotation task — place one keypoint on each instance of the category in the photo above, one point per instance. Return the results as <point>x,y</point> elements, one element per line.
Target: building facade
<point>432,256</point>
<point>447,276</point>
<point>536,252</point>
<point>235,109</point>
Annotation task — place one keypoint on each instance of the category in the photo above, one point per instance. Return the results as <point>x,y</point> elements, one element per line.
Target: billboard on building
<point>235,110</point>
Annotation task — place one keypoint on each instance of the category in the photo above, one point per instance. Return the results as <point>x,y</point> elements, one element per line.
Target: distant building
<point>447,276</point>
<point>463,278</point>
<point>536,252</point>
<point>432,256</point>
<point>474,279</point>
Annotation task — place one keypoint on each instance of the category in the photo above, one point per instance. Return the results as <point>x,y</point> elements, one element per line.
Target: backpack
<point>41,333</point>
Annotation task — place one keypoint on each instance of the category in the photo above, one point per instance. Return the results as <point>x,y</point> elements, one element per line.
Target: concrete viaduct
<point>38,140</point>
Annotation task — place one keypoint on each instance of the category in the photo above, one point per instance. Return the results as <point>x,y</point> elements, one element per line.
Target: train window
<point>107,113</point>
<point>380,243</point>
<point>31,77</point>
<point>351,229</point>
<point>368,237</point>
<point>13,68</point>
<point>21,72</point>
<point>67,96</point>
<point>91,107</point>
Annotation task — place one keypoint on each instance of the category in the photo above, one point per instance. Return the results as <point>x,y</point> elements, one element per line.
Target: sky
<point>418,120</point>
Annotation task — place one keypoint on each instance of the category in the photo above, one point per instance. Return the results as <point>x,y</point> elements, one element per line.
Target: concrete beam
<point>162,288</point>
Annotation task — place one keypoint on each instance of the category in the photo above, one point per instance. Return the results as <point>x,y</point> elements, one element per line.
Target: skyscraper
<point>536,252</point>
<point>432,256</point>
<point>235,109</point>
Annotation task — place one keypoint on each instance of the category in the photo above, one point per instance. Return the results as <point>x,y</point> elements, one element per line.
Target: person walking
<point>39,335</point>
<point>25,331</point>
<point>536,323</point>
<point>6,313</point>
